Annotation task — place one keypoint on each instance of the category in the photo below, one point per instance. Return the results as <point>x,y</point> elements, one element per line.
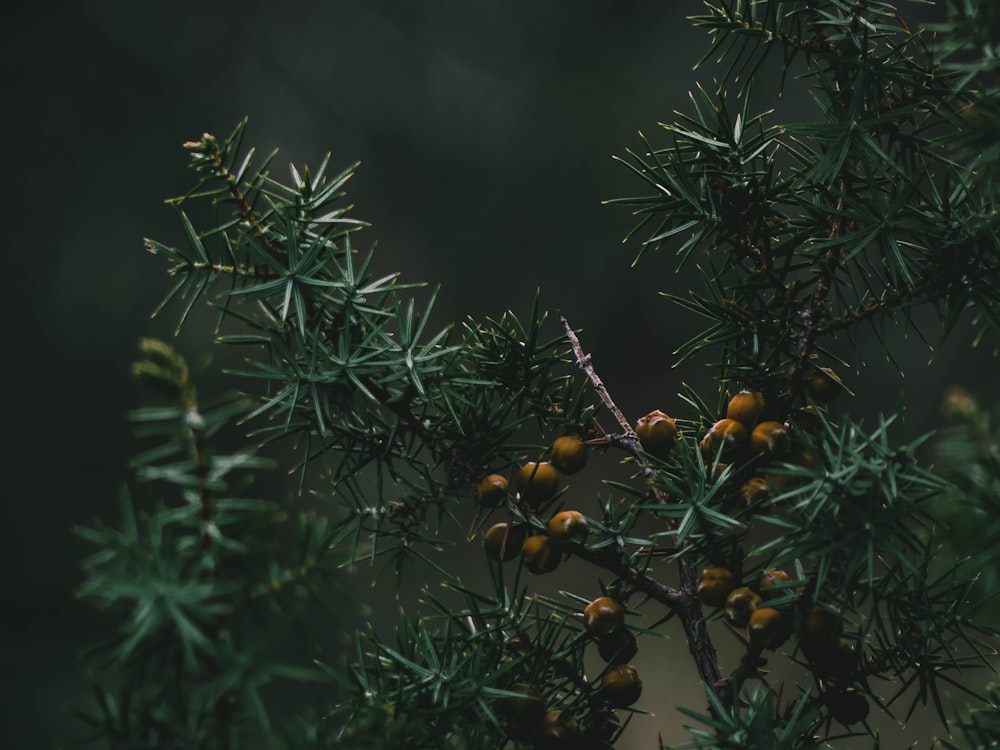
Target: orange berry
<point>755,491</point>
<point>503,541</point>
<point>746,407</point>
<point>537,482</point>
<point>726,435</point>
<point>567,528</point>
<point>568,454</point>
<point>740,604</point>
<point>539,556</point>
<point>491,490</point>
<point>657,433</point>
<point>603,616</point>
<point>768,628</point>
<point>621,686</point>
<point>770,439</point>
<point>714,586</point>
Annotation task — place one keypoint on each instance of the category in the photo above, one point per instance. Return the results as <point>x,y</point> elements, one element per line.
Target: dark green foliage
<point>806,235</point>
<point>202,581</point>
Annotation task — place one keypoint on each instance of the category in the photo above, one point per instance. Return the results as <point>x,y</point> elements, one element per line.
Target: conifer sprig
<point>762,509</point>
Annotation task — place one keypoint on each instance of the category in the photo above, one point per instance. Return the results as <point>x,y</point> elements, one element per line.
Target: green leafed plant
<point>767,510</point>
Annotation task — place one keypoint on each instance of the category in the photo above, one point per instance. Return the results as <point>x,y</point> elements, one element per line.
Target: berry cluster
<point>774,609</point>
<point>749,446</point>
<point>527,718</point>
<point>542,547</point>
<point>536,484</point>
<point>527,715</point>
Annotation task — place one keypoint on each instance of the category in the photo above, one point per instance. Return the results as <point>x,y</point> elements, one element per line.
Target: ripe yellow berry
<point>491,490</point>
<point>714,586</point>
<point>539,556</point>
<point>621,686</point>
<point>726,435</point>
<point>770,439</point>
<point>768,628</point>
<point>566,529</point>
<point>746,407</point>
<point>740,604</point>
<point>568,454</point>
<point>657,432</point>
<point>603,616</point>
<point>537,482</point>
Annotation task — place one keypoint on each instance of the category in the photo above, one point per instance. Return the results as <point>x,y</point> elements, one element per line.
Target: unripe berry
<point>833,661</point>
<point>657,432</point>
<point>568,454</point>
<point>503,541</point>
<point>559,730</point>
<point>824,385</point>
<point>539,556</point>
<point>618,647</point>
<point>746,407</point>
<point>491,490</point>
<point>768,628</point>
<point>523,714</point>
<point>726,435</point>
<point>621,686</point>
<point>740,604</point>
<point>566,529</point>
<point>603,616</point>
<point>770,439</point>
<point>714,586</point>
<point>849,706</point>
<point>537,482</point>
<point>807,419</point>
<point>819,628</point>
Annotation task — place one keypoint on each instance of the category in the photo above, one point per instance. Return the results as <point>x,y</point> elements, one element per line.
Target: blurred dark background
<point>486,132</point>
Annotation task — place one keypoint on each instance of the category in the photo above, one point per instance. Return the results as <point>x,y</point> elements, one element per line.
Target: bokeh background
<point>486,132</point>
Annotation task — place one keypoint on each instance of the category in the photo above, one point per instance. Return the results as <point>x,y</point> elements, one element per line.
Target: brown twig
<point>682,600</point>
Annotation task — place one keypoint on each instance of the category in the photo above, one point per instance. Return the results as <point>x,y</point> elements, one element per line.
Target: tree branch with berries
<point>767,510</point>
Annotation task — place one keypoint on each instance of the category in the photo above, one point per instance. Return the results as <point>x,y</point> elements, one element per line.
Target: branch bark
<point>682,600</point>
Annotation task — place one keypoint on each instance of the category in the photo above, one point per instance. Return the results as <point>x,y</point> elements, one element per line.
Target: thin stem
<point>681,600</point>
<point>584,363</point>
<point>635,579</point>
<point>209,147</point>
